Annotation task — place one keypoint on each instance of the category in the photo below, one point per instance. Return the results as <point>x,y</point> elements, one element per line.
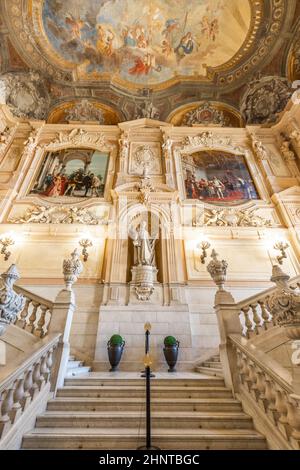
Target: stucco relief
<point>26,94</point>
<point>145,159</point>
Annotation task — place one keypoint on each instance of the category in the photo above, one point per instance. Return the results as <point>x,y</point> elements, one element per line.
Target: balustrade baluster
<point>7,406</point>
<point>293,417</point>
<point>44,368</point>
<point>264,313</point>
<point>248,322</point>
<point>38,380</point>
<point>18,397</point>
<point>282,411</point>
<point>28,384</point>
<point>41,323</point>
<point>256,318</point>
<point>5,422</point>
<point>24,314</point>
<point>270,398</point>
<point>33,315</point>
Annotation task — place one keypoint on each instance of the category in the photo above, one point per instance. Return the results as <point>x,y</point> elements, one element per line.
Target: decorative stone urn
<point>217,269</point>
<point>72,267</point>
<point>11,303</point>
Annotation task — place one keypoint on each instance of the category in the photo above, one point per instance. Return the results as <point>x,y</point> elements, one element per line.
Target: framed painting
<point>72,173</point>
<point>218,177</point>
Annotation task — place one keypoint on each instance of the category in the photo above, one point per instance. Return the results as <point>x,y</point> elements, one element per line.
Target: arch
<point>231,115</point>
<point>58,112</point>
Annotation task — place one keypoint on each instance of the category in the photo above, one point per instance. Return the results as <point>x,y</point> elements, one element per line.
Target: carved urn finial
<point>72,267</point>
<point>217,269</point>
<point>11,303</point>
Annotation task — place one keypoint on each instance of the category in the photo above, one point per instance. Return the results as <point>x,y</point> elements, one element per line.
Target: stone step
<point>137,404</point>
<point>212,364</point>
<point>131,438</point>
<point>139,391</point>
<point>73,364</point>
<point>209,371</point>
<point>183,420</point>
<point>77,371</point>
<point>96,381</point>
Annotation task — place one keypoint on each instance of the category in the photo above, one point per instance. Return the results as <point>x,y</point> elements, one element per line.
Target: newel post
<point>62,316</point>
<point>228,320</point>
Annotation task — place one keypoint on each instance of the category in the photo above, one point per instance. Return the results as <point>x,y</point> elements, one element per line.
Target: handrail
<point>268,397</point>
<point>40,350</point>
<point>25,384</point>
<point>258,357</point>
<point>263,294</point>
<point>36,314</point>
<point>29,294</point>
<point>254,313</point>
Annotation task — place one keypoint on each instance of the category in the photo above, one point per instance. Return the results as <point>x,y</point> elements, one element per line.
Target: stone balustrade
<point>22,387</point>
<point>255,315</point>
<point>270,394</point>
<point>36,314</point>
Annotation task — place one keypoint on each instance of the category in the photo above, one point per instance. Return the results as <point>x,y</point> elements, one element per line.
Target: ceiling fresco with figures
<point>146,42</point>
<point>187,62</point>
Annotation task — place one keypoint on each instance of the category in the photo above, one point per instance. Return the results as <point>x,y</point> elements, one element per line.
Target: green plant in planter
<point>115,348</point>
<point>116,340</point>
<point>170,341</point>
<point>171,352</point>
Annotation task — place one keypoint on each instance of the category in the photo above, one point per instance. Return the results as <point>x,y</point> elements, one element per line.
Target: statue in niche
<point>144,246</point>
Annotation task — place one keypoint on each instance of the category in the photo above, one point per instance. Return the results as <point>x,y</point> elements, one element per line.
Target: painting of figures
<point>72,173</point>
<point>146,41</point>
<point>218,177</point>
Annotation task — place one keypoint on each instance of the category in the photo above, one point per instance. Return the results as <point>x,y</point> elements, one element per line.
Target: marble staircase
<point>211,367</point>
<point>76,368</point>
<point>107,411</point>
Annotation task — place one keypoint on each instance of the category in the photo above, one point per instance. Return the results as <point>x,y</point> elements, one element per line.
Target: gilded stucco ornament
<point>204,114</point>
<point>25,93</point>
<point>11,303</point>
<point>59,215</point>
<point>235,218</point>
<point>77,137</point>
<point>85,111</point>
<point>6,138</point>
<point>295,135</point>
<point>206,139</point>
<point>259,149</point>
<point>265,99</point>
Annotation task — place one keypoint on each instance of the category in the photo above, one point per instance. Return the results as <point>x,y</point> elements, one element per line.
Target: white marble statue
<point>143,246</point>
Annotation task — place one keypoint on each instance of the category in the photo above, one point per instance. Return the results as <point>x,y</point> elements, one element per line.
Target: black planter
<point>171,355</point>
<point>114,354</point>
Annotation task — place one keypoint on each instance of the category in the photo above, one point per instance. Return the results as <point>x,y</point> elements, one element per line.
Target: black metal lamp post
<point>147,374</point>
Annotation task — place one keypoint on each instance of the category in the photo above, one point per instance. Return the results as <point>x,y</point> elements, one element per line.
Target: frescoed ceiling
<point>146,58</point>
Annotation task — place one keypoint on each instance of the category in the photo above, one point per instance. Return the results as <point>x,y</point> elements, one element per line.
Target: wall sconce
<point>85,243</point>
<point>281,246</point>
<point>204,245</point>
<point>6,242</point>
